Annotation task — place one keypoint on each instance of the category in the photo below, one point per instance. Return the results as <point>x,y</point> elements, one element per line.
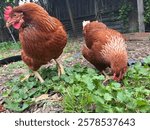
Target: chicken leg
<point>60,68</point>
<point>106,77</point>
<point>37,75</point>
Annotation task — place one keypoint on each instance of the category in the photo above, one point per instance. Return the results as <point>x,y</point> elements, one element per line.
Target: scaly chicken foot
<point>26,77</point>
<point>60,68</point>
<point>106,77</point>
<point>37,75</point>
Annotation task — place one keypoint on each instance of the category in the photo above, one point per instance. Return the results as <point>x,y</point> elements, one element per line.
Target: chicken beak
<point>118,78</point>
<point>115,78</point>
<point>8,24</point>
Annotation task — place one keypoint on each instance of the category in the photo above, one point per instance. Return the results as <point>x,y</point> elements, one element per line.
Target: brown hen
<point>104,48</point>
<point>42,37</point>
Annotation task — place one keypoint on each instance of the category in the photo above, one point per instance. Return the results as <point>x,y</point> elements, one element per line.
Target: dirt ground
<point>138,46</point>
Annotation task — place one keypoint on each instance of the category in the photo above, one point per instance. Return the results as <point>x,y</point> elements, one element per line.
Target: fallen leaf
<point>42,97</point>
<point>53,98</point>
<point>1,108</point>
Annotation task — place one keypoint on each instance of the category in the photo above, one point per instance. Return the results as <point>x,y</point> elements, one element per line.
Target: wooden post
<point>140,7</point>
<point>96,10</point>
<point>71,18</point>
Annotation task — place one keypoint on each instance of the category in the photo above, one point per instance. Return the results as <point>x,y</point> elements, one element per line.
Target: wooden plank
<point>140,7</point>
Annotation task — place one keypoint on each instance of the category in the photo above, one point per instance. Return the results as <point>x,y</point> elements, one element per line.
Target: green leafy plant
<point>147,11</point>
<point>124,12</point>
<point>13,49</point>
<point>83,90</point>
<point>5,46</point>
<point>20,95</point>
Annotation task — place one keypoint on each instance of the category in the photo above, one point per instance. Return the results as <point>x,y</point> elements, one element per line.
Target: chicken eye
<point>14,15</point>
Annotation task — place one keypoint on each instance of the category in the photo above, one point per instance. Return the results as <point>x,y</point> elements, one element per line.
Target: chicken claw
<point>37,75</point>
<point>107,77</point>
<point>60,68</point>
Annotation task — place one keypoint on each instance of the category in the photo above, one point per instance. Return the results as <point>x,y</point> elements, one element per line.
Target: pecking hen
<point>42,37</point>
<point>104,48</point>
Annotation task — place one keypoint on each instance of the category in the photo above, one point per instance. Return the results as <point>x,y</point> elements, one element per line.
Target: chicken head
<point>13,18</point>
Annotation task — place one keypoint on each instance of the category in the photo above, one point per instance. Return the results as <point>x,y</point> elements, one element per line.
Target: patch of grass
<point>81,87</point>
<point>4,46</point>
<point>11,67</point>
<point>83,90</point>
<point>72,46</point>
<point>9,49</point>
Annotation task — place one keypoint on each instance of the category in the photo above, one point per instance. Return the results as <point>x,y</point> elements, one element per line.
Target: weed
<point>10,47</point>
<point>81,87</point>
<point>83,90</point>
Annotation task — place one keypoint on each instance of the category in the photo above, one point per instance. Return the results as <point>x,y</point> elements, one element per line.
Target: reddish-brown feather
<point>42,37</point>
<point>100,53</point>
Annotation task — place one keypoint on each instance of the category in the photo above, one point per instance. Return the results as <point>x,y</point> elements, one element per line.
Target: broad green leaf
<point>6,93</point>
<point>30,84</point>
<point>108,97</point>
<point>15,95</point>
<point>131,105</point>
<point>98,99</point>
<point>121,97</point>
<point>116,85</point>
<point>88,81</point>
<point>141,102</point>
<point>55,78</point>
<point>24,106</point>
<point>78,77</point>
<point>100,77</point>
<point>147,60</point>
<point>66,78</point>
<point>90,71</point>
<point>120,109</point>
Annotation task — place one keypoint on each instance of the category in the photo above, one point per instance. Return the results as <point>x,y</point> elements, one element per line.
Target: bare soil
<point>138,45</point>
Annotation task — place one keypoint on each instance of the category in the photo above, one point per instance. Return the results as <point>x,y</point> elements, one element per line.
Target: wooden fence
<point>106,11</point>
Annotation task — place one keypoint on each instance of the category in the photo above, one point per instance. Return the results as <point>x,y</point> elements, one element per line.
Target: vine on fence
<point>147,11</point>
<point>124,12</point>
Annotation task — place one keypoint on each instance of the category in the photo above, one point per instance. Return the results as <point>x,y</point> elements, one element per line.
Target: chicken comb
<point>7,11</point>
<point>84,23</point>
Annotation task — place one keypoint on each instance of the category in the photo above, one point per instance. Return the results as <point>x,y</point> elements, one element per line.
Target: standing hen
<point>104,48</point>
<point>42,37</point>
